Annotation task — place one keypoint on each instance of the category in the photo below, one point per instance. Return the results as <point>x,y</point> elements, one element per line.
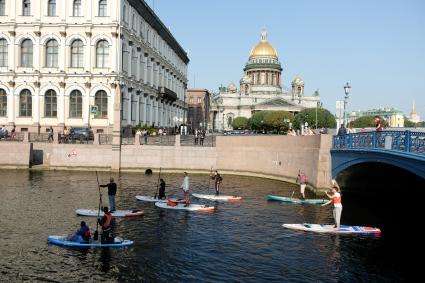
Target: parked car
<point>81,134</point>
<point>78,134</point>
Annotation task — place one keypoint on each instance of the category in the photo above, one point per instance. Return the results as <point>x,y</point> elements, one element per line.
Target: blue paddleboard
<point>61,241</point>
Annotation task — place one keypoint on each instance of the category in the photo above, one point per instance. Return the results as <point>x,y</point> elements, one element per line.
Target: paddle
<point>157,183</point>
<point>96,233</point>
<point>292,193</point>
<point>209,181</point>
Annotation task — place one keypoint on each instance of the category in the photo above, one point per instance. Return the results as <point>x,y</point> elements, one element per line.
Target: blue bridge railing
<point>402,141</point>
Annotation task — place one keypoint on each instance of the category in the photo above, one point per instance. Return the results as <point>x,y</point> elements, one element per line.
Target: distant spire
<point>413,107</point>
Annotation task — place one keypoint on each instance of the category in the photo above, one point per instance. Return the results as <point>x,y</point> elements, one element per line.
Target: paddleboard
<point>218,198</point>
<point>343,229</point>
<point>296,200</point>
<point>150,199</point>
<point>116,213</point>
<point>190,207</point>
<point>61,241</point>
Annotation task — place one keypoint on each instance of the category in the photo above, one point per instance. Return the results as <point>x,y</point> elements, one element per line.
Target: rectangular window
<point>2,7</point>
<point>77,8</point>
<point>26,8</point>
<point>102,8</point>
<point>199,100</point>
<point>51,8</point>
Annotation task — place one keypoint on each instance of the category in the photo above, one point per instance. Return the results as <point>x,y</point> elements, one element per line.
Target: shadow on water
<point>237,242</point>
<point>392,199</point>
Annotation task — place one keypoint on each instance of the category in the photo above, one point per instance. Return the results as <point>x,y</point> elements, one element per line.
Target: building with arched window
<point>58,59</point>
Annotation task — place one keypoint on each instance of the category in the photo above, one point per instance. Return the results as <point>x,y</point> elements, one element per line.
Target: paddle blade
<point>96,235</point>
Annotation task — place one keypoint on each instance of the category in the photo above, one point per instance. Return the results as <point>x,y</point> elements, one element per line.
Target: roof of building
<point>149,15</point>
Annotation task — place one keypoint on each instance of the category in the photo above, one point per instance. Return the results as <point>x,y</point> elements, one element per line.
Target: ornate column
<point>129,104</point>
<point>61,104</point>
<point>86,104</point>
<point>116,131</point>
<point>11,104</point>
<point>36,105</point>
<point>138,98</point>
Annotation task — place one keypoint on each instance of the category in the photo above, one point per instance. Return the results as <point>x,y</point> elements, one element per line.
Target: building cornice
<point>146,12</point>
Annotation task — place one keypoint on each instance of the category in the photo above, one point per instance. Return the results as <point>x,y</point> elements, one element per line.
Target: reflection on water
<point>238,242</point>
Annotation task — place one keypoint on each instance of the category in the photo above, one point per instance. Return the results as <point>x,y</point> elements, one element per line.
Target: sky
<point>378,46</point>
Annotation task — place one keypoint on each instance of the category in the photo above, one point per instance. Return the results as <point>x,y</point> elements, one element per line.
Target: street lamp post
<point>318,104</point>
<point>347,88</point>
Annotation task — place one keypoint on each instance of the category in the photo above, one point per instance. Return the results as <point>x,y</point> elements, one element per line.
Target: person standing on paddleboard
<point>335,198</point>
<point>185,188</point>
<point>302,180</point>
<point>161,194</point>
<point>105,222</point>
<point>218,179</point>
<point>112,191</point>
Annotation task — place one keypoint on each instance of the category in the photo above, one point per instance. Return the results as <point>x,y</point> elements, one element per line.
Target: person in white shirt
<point>185,188</point>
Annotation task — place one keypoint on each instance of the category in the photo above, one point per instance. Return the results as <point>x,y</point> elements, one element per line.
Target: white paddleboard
<point>218,198</point>
<point>190,207</point>
<point>116,213</point>
<point>150,199</point>
<point>343,229</point>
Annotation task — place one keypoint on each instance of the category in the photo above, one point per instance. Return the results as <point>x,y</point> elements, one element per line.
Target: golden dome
<point>263,48</point>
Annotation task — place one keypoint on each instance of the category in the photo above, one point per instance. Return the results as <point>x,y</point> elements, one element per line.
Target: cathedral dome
<point>263,48</point>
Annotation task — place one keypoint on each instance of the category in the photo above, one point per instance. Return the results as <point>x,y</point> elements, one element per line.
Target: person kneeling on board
<point>218,179</point>
<point>185,188</point>
<point>161,194</point>
<point>335,198</point>
<point>82,234</point>
<point>105,222</point>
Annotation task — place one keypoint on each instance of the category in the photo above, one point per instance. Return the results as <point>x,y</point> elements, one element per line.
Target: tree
<point>256,122</point>
<point>240,123</point>
<point>367,122</point>
<point>408,123</point>
<point>325,119</point>
<point>278,121</point>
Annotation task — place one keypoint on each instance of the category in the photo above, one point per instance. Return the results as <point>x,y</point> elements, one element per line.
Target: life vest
<point>106,220</point>
<point>336,199</point>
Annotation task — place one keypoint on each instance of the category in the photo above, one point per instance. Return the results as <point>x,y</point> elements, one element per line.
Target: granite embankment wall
<point>277,157</point>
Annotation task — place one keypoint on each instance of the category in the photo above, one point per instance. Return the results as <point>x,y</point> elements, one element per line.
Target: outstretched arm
<point>327,203</point>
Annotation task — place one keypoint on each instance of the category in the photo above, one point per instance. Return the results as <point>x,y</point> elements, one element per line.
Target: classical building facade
<point>198,100</point>
<point>261,88</point>
<point>88,63</point>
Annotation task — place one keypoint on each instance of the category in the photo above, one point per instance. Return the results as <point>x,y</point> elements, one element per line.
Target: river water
<point>239,242</point>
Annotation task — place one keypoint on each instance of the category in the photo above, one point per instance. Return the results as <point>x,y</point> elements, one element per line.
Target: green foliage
<point>366,122</point>
<point>278,121</point>
<point>325,119</point>
<point>408,123</point>
<point>240,123</point>
<point>256,122</point>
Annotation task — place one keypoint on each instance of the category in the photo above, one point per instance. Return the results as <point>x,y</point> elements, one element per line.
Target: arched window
<point>50,104</point>
<point>103,5</point>
<point>3,103</point>
<point>2,7</point>
<point>76,104</point>
<point>3,52</point>
<point>25,103</point>
<point>26,53</point>
<point>77,54</point>
<point>26,8</point>
<point>76,8</point>
<point>52,53</point>
<point>51,8</point>
<point>101,101</point>
<point>102,54</point>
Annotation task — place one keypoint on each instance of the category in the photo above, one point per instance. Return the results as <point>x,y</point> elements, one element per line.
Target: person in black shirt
<point>218,179</point>
<point>161,189</point>
<point>112,191</point>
